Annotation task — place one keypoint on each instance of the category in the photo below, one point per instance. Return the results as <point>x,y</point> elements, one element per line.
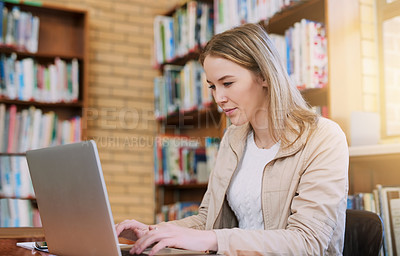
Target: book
<point>16,213</point>
<point>393,200</point>
<point>1,22</point>
<point>176,211</point>
<point>2,124</point>
<point>385,215</point>
<point>174,159</point>
<point>11,128</point>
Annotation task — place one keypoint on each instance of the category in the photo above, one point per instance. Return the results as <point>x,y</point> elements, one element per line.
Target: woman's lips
<point>229,111</point>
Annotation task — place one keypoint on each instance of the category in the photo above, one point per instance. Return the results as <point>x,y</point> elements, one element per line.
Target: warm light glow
<point>391,61</point>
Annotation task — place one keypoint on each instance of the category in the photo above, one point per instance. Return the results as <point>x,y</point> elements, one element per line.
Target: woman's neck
<point>263,138</point>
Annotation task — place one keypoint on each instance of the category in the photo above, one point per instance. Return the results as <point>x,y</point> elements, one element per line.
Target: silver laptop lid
<point>72,200</point>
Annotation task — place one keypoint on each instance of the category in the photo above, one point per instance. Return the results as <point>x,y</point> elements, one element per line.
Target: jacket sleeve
<point>317,209</point>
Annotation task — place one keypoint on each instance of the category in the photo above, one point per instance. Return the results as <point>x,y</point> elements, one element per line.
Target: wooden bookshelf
<point>341,95</point>
<point>78,104</point>
<point>63,34</point>
<point>199,122</point>
<point>27,232</point>
<point>373,164</point>
<point>312,10</point>
<point>169,194</point>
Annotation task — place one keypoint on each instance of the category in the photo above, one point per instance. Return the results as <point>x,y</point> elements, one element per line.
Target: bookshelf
<point>197,122</point>
<point>340,95</point>
<point>373,164</point>
<point>62,43</point>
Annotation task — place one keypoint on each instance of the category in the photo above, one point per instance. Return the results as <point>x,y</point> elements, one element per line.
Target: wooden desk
<point>10,236</point>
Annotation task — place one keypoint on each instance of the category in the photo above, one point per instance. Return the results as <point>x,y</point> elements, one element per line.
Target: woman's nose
<point>219,96</point>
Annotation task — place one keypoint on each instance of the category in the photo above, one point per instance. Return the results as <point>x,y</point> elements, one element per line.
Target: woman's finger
<point>133,225</point>
<point>159,246</point>
<point>150,238</point>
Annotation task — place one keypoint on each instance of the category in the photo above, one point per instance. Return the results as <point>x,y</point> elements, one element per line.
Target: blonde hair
<point>250,47</point>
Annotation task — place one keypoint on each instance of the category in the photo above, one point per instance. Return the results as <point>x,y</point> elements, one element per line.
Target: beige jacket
<point>304,195</point>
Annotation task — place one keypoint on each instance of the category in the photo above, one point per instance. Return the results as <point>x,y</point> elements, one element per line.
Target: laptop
<point>73,202</point>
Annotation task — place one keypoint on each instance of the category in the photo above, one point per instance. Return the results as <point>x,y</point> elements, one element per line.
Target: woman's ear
<point>264,83</point>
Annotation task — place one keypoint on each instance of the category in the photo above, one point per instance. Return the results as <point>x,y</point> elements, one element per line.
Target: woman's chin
<point>237,122</point>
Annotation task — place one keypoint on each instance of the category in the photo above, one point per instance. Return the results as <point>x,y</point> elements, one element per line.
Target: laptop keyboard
<point>125,252</point>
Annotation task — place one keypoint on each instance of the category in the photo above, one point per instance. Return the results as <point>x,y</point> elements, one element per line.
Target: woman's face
<point>241,95</point>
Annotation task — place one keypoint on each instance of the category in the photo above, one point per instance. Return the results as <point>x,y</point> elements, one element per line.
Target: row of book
<point>18,213</point>
<point>18,29</point>
<point>177,211</point>
<point>385,201</point>
<point>303,50</point>
<point>15,180</point>
<point>181,89</point>
<point>229,14</point>
<point>182,160</point>
<point>28,80</point>
<point>31,129</point>
<point>190,27</point>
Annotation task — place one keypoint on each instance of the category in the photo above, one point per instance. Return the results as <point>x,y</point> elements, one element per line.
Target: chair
<point>363,233</point>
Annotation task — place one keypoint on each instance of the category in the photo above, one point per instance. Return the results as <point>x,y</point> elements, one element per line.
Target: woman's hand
<point>131,229</point>
<point>170,235</point>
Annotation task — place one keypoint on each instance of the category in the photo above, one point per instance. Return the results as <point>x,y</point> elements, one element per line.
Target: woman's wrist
<point>211,241</point>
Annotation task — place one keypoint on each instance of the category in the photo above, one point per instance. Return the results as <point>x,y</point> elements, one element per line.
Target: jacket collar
<point>238,135</point>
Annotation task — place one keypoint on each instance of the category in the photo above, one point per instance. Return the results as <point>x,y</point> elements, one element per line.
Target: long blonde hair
<point>250,47</point>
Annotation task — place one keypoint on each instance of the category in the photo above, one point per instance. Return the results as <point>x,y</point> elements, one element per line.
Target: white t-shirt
<point>244,192</point>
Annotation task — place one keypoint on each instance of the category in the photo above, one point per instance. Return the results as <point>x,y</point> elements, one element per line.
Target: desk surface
<point>10,236</point>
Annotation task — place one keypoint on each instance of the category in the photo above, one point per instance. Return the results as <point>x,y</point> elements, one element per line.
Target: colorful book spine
<point>182,160</point>
<point>28,80</point>
<point>31,129</point>
<point>18,213</point>
<point>190,27</point>
<point>177,211</point>
<point>181,89</point>
<point>19,29</point>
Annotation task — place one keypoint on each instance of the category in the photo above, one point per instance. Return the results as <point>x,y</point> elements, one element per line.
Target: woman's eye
<point>212,87</point>
<point>227,83</point>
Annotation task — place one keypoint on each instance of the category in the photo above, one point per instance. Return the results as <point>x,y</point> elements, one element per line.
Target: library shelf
<point>341,95</point>
<point>374,150</point>
<point>312,10</point>
<point>62,34</point>
<point>196,116</point>
<point>15,197</point>
<point>316,96</point>
<point>182,186</point>
<point>78,104</point>
<point>12,154</point>
<point>39,55</point>
<point>25,232</point>
<point>193,54</point>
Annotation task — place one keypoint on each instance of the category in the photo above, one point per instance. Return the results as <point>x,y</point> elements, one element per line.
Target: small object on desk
<point>41,246</point>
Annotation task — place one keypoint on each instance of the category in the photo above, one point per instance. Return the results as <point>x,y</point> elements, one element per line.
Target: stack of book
<point>229,14</point>
<point>385,201</point>
<point>189,28</point>
<point>182,160</point>
<point>18,29</point>
<point>31,129</point>
<point>27,80</point>
<point>181,89</point>
<point>303,50</point>
<point>18,213</point>
<point>177,211</point>
<point>15,180</point>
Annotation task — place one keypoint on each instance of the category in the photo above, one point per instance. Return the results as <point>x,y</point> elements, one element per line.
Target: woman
<point>279,185</point>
